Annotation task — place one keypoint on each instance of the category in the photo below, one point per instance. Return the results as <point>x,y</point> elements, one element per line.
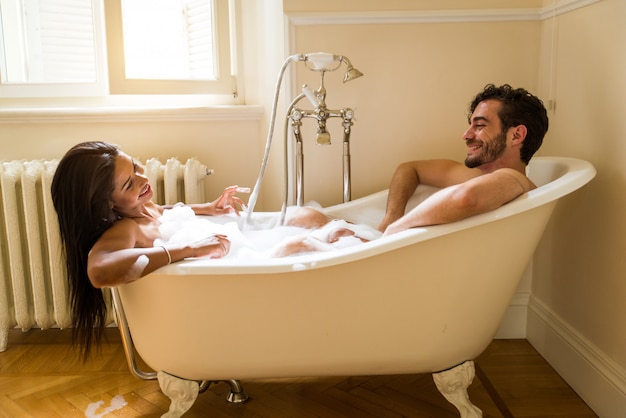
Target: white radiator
<point>33,286</point>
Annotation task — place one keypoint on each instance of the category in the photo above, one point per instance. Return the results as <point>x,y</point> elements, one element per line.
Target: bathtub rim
<point>572,174</point>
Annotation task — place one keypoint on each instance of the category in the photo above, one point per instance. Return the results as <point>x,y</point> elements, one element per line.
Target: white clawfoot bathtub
<point>424,300</point>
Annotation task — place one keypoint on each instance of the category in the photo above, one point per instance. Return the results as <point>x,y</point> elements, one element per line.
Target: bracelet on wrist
<point>169,256</point>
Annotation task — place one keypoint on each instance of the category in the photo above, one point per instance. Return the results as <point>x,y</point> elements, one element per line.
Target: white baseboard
<point>597,379</point>
<point>513,324</point>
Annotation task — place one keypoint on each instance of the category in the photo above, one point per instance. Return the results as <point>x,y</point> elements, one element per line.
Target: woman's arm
<point>225,204</point>
<point>115,258</point>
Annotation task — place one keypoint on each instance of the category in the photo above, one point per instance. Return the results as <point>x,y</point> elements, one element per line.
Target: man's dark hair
<point>519,107</point>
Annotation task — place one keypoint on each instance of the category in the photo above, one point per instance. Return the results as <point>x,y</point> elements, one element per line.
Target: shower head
<point>351,74</point>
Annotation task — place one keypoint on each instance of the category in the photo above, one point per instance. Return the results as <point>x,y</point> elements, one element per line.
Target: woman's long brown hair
<point>81,190</point>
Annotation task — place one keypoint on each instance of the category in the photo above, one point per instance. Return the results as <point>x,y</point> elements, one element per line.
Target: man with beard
<point>506,127</point>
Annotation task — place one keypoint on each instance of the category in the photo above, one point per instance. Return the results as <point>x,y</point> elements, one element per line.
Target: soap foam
<point>259,239</point>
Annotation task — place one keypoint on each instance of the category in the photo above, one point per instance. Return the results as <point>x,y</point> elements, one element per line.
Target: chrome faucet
<point>322,62</point>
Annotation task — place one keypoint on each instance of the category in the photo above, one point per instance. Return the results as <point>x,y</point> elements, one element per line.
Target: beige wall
<point>578,316</point>
<point>580,271</point>
<point>228,147</point>
<point>412,101</point>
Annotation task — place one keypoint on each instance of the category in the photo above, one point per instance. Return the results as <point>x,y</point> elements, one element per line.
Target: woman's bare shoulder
<point>122,234</point>
<point>124,224</point>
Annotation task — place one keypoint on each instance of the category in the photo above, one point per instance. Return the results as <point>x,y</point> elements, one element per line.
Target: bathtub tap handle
<point>315,102</point>
<point>323,136</point>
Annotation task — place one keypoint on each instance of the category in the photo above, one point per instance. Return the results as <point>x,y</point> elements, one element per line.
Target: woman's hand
<point>215,246</point>
<point>225,204</point>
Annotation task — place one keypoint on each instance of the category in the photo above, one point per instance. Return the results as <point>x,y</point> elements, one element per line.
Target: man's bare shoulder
<point>523,180</point>
<point>444,173</point>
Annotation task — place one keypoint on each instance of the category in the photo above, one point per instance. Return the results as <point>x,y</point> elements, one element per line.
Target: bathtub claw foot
<point>237,393</point>
<point>453,384</point>
<point>182,393</point>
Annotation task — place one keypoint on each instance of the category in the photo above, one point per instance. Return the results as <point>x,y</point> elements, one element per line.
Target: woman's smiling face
<point>131,189</point>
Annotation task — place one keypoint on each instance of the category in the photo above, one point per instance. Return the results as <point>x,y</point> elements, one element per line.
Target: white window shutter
<point>57,44</point>
<point>67,41</point>
<point>200,38</point>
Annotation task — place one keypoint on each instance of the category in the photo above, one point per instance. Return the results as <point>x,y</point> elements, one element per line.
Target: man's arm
<point>408,175</point>
<point>474,196</point>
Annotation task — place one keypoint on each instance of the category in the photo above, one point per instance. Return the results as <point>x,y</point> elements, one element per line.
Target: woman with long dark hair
<point>108,224</point>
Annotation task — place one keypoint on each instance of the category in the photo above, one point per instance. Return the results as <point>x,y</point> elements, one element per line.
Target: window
<point>165,39</point>
<point>50,48</point>
<point>64,48</point>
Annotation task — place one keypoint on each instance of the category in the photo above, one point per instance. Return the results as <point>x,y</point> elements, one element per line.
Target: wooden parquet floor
<point>41,376</point>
